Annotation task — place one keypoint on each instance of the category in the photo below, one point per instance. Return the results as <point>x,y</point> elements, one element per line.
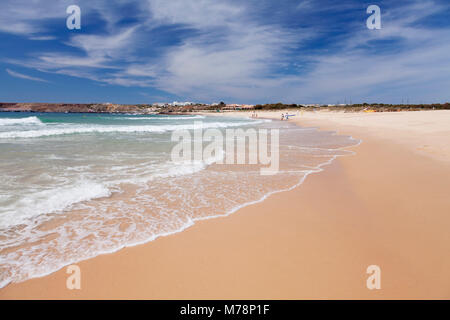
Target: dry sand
<point>425,132</point>
<point>387,205</point>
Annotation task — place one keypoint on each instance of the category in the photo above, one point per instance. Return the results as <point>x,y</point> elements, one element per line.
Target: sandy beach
<point>387,205</point>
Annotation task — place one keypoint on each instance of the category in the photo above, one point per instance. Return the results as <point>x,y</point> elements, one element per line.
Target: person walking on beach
<point>282,116</point>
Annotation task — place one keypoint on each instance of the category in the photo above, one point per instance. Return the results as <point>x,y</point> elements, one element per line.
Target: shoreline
<point>143,261</point>
<point>424,132</point>
<point>317,169</point>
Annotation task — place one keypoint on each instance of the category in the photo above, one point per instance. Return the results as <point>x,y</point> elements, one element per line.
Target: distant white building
<point>181,104</point>
<point>173,104</point>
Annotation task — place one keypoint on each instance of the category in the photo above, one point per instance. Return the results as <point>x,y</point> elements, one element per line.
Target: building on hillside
<point>160,104</point>
<point>181,104</point>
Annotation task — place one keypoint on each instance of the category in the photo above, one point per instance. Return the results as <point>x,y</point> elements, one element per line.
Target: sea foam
<point>165,118</point>
<point>50,201</point>
<point>76,129</point>
<point>20,121</point>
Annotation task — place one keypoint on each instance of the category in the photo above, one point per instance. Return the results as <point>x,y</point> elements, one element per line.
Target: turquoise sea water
<point>74,186</point>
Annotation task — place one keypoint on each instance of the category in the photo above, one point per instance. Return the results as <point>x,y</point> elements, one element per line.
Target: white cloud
<point>112,45</point>
<point>231,53</point>
<point>42,38</point>
<point>23,76</point>
<point>379,74</point>
<point>27,18</point>
<point>198,13</point>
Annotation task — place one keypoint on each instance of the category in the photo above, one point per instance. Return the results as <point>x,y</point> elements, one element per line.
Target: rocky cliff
<point>66,107</point>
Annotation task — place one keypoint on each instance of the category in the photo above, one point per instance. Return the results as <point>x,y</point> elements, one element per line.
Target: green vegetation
<point>277,106</point>
<point>379,107</point>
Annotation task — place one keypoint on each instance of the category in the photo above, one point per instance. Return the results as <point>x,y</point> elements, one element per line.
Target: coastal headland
<point>173,108</point>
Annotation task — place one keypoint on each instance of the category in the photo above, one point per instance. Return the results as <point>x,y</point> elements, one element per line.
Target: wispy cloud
<point>23,76</point>
<point>24,18</point>
<point>42,38</point>
<point>403,59</point>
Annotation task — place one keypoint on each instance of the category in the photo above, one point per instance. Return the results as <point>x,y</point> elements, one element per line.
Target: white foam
<point>163,118</point>
<point>172,169</point>
<point>15,121</point>
<point>191,166</point>
<point>66,130</point>
<point>50,201</point>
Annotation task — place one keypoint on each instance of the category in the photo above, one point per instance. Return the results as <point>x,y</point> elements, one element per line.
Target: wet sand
<point>386,205</point>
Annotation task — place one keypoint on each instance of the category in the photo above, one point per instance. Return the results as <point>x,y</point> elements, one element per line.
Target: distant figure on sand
<point>282,116</point>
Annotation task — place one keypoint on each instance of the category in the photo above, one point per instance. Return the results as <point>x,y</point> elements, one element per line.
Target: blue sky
<point>254,51</point>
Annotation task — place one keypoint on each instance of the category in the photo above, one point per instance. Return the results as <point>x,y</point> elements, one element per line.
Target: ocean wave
<point>61,198</point>
<point>16,121</point>
<point>117,129</point>
<point>50,201</point>
<point>163,118</point>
